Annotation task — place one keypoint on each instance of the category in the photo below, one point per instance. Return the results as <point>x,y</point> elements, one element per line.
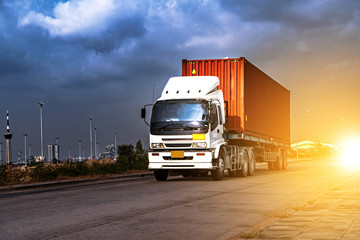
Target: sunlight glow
<point>351,153</point>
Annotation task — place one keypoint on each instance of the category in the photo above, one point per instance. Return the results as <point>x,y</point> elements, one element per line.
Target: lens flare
<point>351,153</point>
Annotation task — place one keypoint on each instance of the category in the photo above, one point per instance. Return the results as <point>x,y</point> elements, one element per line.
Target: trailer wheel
<point>161,175</point>
<point>243,172</point>
<point>284,159</point>
<point>251,164</point>
<point>218,173</point>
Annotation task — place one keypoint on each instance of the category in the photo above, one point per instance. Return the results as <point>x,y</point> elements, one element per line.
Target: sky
<point>107,58</point>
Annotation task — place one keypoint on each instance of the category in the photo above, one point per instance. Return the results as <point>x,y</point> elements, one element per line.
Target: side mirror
<point>143,113</point>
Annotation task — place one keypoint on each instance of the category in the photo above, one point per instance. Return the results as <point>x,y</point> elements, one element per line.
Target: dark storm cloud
<point>306,14</point>
<point>103,57</point>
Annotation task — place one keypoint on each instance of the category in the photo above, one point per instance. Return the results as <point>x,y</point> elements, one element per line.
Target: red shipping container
<point>258,105</point>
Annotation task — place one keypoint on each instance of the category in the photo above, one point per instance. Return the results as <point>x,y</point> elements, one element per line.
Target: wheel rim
<point>246,162</point>
<point>252,164</point>
<point>221,164</point>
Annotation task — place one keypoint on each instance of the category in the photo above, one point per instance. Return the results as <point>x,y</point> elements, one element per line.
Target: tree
<point>139,148</point>
<point>130,158</point>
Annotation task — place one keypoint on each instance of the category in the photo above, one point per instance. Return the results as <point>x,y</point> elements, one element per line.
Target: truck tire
<point>232,173</point>
<point>284,160</point>
<point>278,162</point>
<point>252,163</point>
<point>243,172</point>
<point>218,173</point>
<point>161,175</point>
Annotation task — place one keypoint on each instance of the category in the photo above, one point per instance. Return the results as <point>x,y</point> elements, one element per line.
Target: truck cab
<point>187,128</point>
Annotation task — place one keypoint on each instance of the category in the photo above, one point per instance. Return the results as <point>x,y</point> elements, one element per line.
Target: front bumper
<point>191,160</point>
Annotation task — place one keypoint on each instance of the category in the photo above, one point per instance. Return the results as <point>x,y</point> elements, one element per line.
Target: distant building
<point>38,159</point>
<point>308,149</point>
<point>109,153</point>
<point>53,152</point>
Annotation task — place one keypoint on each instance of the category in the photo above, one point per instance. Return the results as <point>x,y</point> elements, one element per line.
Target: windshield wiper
<point>184,126</point>
<point>172,124</point>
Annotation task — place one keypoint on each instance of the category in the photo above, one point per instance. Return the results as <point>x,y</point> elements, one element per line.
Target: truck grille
<point>175,166</point>
<point>185,158</point>
<point>178,145</point>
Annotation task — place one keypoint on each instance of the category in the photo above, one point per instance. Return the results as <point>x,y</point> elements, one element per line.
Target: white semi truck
<point>194,131</point>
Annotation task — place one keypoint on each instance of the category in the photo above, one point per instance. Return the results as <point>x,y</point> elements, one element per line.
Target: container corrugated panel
<point>258,105</point>
<point>267,105</point>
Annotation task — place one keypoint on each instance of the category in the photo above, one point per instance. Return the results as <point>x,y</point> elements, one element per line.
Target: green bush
<point>129,158</point>
<point>44,173</point>
<point>3,174</point>
<point>132,159</point>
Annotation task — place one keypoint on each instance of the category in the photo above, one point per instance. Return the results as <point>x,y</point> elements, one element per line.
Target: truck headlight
<point>157,145</point>
<point>199,145</point>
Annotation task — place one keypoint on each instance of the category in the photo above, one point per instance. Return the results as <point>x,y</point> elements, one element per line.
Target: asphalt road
<point>195,208</point>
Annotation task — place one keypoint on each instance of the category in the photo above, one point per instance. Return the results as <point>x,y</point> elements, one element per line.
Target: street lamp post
<point>41,104</point>
<point>79,150</point>
<point>29,150</point>
<point>91,152</point>
<point>97,146</point>
<point>57,150</point>
<point>95,143</point>
<point>25,135</point>
<point>115,146</point>
<point>297,115</point>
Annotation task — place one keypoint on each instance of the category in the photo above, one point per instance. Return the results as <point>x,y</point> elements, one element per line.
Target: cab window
<point>213,117</point>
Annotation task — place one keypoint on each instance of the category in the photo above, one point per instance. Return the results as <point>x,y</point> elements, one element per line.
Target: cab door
<point>216,125</point>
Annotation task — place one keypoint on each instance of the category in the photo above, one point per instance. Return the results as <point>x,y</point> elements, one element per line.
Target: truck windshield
<point>175,115</point>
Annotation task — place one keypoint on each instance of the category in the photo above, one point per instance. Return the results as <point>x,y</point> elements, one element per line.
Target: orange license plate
<point>177,154</point>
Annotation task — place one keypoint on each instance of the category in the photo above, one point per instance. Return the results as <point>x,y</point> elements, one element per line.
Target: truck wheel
<point>218,173</point>
<point>278,162</point>
<point>251,165</point>
<point>232,173</point>
<point>284,160</point>
<point>161,175</point>
<point>243,172</point>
